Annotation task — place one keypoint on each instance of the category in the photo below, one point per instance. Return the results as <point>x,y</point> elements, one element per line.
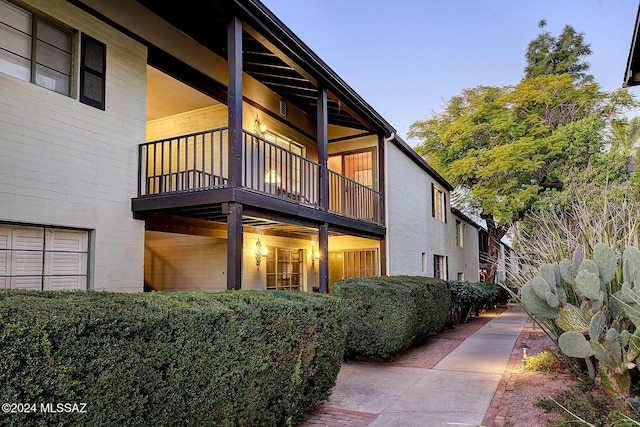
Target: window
<point>282,168</point>
<point>356,166</point>
<point>459,234</point>
<point>438,205</point>
<point>440,267</point>
<point>43,258</point>
<point>460,276</point>
<point>424,262</point>
<point>363,263</point>
<point>93,72</point>
<point>284,269</point>
<point>34,49</point>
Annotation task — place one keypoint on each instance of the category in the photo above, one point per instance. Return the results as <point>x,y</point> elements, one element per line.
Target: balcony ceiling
<point>206,22</point>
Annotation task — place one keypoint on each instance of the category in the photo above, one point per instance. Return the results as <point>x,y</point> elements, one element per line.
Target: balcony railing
<point>351,199</point>
<point>185,163</point>
<point>271,169</point>
<point>198,162</point>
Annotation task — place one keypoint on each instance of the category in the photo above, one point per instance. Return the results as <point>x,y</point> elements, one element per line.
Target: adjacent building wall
<point>67,164</point>
<point>411,230</point>
<point>414,236</point>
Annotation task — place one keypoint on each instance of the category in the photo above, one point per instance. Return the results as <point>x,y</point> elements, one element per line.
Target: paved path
<point>457,391</point>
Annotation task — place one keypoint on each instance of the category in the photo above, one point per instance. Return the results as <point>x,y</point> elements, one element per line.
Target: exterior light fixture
<point>314,256</point>
<point>258,128</point>
<point>261,252</point>
<point>524,348</point>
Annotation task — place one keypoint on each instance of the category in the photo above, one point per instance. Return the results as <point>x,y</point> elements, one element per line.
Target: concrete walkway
<point>457,391</point>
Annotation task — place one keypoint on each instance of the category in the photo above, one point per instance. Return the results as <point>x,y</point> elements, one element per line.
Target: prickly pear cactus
<point>606,303</point>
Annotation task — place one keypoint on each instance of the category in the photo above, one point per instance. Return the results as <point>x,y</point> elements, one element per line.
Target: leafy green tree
<point>507,145</point>
<point>624,136</point>
<point>547,55</point>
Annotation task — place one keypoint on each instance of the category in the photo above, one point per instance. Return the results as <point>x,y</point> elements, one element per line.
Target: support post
<point>381,179</point>
<point>323,267</point>
<point>383,258</point>
<point>234,246</point>
<point>322,123</point>
<point>234,100</point>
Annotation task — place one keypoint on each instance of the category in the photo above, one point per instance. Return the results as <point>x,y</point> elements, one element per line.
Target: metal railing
<point>351,199</point>
<point>199,161</point>
<point>271,169</point>
<point>191,162</point>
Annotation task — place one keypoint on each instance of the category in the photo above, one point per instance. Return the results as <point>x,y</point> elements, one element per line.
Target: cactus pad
<point>571,318</point>
<point>540,287</point>
<point>606,260</point>
<point>597,325</point>
<point>588,283</point>
<point>547,272</point>
<point>574,344</point>
<point>631,262</point>
<point>590,266</point>
<point>536,305</point>
<point>566,271</point>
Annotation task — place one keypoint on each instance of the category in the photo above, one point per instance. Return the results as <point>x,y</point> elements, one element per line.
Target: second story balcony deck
<point>199,163</point>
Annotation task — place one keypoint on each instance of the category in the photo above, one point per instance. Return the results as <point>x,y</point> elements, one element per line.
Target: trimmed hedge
<point>383,316</point>
<point>229,359</point>
<point>471,297</point>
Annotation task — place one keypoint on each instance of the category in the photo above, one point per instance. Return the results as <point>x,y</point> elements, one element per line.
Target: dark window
<point>440,267</point>
<point>92,72</point>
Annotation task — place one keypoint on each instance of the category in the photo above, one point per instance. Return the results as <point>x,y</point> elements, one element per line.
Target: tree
<point>509,144</point>
<point>624,135</point>
<point>547,55</point>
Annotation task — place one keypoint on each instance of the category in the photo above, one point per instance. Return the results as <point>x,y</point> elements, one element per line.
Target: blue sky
<point>406,57</point>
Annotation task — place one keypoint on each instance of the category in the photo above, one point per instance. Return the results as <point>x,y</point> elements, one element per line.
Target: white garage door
<point>43,258</point>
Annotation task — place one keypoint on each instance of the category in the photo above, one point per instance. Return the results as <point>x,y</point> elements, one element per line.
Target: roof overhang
<point>632,73</point>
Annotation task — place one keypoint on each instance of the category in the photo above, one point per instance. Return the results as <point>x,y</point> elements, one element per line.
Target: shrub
<point>546,361</point>
<point>385,315</point>
<point>229,359</point>
<point>471,297</point>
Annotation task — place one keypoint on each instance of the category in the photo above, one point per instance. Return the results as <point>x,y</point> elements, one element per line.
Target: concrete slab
<point>366,387</point>
<point>456,392</point>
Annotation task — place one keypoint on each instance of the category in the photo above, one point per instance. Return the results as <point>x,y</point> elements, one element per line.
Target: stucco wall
<point>68,164</point>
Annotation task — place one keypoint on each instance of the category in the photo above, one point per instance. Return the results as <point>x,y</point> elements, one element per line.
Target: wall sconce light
<point>261,252</point>
<point>258,128</point>
<point>314,256</point>
<point>272,177</point>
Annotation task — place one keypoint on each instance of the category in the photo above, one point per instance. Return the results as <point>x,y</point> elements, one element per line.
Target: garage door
<point>43,258</point>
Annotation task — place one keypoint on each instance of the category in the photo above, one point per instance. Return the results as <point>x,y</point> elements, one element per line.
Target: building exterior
<point>200,145</point>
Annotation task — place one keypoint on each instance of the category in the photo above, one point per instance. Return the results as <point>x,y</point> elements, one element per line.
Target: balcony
<point>198,162</point>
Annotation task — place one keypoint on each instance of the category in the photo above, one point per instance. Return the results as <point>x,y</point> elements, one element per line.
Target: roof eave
<point>262,16</point>
<point>632,77</point>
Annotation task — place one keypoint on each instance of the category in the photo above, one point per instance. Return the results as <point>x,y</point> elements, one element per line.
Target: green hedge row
<point>471,297</point>
<point>383,316</point>
<point>227,359</point>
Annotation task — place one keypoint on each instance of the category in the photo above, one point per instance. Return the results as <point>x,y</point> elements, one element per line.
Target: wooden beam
<point>383,258</point>
<point>285,58</point>
<point>234,246</point>
<point>322,126</point>
<point>182,225</point>
<point>381,176</point>
<point>234,100</point>
<point>323,264</point>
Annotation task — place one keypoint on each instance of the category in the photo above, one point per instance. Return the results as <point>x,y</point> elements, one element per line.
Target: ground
<point>523,389</point>
<point>514,402</point>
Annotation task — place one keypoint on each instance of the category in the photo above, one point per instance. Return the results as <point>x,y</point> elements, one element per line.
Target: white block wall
<point>411,229</point>
<point>64,163</point>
